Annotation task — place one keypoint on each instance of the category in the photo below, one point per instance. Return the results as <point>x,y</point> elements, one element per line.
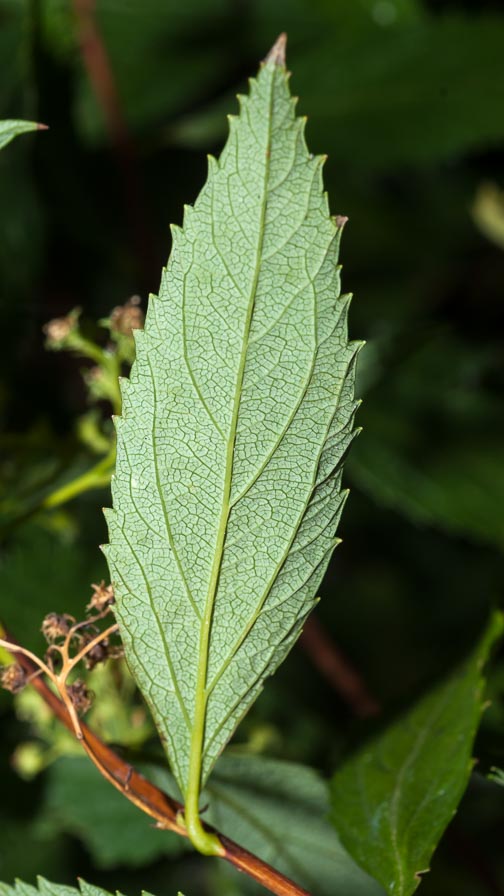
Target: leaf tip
<point>42,127</point>
<point>340,221</point>
<point>277,53</point>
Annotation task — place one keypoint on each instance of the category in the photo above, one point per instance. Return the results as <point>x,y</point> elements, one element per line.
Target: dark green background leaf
<point>392,801</point>
<point>279,811</point>
<point>81,802</point>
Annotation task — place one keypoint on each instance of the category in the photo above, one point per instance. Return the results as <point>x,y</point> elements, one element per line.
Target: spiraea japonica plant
<point>235,422</point>
<point>232,430</point>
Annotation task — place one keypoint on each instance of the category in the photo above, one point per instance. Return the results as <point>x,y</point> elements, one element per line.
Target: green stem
<point>96,477</point>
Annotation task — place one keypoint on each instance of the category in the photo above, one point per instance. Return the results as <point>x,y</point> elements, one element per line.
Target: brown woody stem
<point>149,798</point>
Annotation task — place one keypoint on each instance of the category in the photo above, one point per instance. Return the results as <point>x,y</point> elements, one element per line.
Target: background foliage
<point>406,97</point>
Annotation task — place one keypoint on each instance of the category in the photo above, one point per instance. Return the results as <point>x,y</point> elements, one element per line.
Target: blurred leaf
<point>39,574</point>
<point>20,213</point>
<point>14,53</point>
<point>21,847</point>
<point>488,212</point>
<point>278,811</point>
<point>392,801</point>
<point>417,92</point>
<point>359,93</point>
<point>21,227</point>
<point>10,129</point>
<point>57,27</point>
<point>459,490</point>
<point>81,802</point>
<point>428,449</point>
<point>497,776</point>
<point>30,465</point>
<point>162,56</point>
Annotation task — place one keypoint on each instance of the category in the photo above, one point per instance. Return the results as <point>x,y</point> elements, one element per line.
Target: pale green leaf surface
<point>11,128</point>
<point>47,888</point>
<point>392,802</point>
<point>235,423</point>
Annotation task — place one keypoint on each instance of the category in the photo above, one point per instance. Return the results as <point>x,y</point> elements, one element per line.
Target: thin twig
<point>336,669</point>
<point>98,67</point>
<point>167,812</point>
<point>89,646</point>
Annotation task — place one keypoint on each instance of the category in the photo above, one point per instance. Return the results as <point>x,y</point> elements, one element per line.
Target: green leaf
<point>81,802</point>
<point>46,888</point>
<point>392,802</point>
<point>279,811</point>
<point>363,88</point>
<point>236,420</point>
<point>175,53</point>
<point>497,775</point>
<point>250,798</point>
<point>39,575</point>
<point>455,481</point>
<point>10,129</point>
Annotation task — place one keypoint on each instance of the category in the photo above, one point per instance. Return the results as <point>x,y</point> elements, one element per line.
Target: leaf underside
<point>235,422</point>
<point>46,888</point>
<point>11,128</point>
<point>392,802</point>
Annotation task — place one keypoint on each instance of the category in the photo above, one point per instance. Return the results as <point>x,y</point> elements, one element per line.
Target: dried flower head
<point>102,597</point>
<point>59,329</point>
<point>80,696</point>
<point>127,317</point>
<point>13,678</point>
<point>56,625</point>
<point>98,654</point>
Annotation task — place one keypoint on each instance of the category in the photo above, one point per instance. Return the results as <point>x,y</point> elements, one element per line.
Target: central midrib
<point>198,734</point>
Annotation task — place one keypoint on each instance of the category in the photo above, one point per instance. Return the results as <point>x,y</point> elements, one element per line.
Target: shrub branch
<point>167,812</point>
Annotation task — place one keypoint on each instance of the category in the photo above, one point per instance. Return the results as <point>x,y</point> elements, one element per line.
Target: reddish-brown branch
<point>336,669</point>
<point>97,64</point>
<point>166,811</point>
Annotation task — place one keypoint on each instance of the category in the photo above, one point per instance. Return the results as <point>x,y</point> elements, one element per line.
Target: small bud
<point>59,329</point>
<point>127,317</point>
<point>56,625</point>
<point>13,678</point>
<point>81,698</point>
<point>102,597</point>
